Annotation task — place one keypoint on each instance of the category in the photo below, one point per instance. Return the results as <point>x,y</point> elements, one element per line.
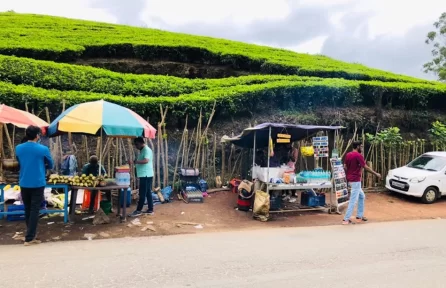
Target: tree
<point>438,135</point>
<point>437,38</point>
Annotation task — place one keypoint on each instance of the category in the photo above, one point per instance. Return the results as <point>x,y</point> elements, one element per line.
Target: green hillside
<point>38,57</point>
<point>60,39</point>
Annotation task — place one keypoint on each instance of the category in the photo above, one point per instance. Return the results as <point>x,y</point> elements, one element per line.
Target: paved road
<point>400,254</point>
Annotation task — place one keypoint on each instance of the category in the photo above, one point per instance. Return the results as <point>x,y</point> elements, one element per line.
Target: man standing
<point>144,171</point>
<point>34,159</point>
<point>354,163</point>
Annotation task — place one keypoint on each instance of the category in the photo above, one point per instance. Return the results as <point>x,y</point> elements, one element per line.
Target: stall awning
<point>297,132</point>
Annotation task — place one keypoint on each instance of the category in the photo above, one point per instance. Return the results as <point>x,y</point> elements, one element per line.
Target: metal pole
<point>269,155</point>
<point>253,156</point>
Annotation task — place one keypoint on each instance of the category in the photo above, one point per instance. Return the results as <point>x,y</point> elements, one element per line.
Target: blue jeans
<point>356,196</point>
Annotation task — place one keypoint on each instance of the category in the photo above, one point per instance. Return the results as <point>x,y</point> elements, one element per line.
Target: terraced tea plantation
<point>43,60</point>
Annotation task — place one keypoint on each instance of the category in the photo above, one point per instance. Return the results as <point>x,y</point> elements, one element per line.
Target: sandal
<point>347,222</point>
<point>362,219</point>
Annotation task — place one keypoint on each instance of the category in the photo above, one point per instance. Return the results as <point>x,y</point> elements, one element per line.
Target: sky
<point>384,34</point>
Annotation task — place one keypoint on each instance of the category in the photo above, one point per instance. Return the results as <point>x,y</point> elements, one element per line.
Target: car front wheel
<point>430,195</point>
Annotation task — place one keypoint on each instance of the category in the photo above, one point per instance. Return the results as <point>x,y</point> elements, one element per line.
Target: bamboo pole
<point>109,164</point>
<point>124,152</point>
<point>214,158</point>
<point>189,160</point>
<point>184,157</point>
<point>132,166</point>
<point>8,138</point>
<point>2,152</point>
<point>204,134</point>
<point>166,150</point>
<point>197,140</point>
<point>230,161</point>
<point>223,160</point>
<point>180,149</point>
<point>48,119</point>
<point>162,146</point>
<point>158,156</point>
<point>203,162</point>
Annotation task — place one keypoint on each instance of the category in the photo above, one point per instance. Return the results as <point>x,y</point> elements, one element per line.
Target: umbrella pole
<point>100,154</point>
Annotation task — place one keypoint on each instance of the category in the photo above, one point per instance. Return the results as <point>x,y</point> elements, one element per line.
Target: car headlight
<point>417,179</point>
<point>389,174</point>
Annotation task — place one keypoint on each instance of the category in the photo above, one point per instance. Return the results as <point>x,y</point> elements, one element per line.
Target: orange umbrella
<point>20,118</point>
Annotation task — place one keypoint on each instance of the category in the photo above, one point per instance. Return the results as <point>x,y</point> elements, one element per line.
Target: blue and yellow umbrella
<point>101,116</point>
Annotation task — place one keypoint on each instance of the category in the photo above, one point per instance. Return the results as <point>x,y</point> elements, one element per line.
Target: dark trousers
<point>32,199</point>
<point>145,191</point>
<point>94,194</point>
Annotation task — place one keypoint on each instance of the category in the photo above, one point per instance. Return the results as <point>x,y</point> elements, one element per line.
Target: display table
<point>63,187</point>
<point>302,186</point>
<point>121,189</point>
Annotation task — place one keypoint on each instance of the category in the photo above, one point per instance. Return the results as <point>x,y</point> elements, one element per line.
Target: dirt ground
<point>217,213</point>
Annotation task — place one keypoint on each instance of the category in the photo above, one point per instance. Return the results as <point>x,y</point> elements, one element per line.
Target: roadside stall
<point>98,118</point>
<point>311,185</point>
<point>9,188</point>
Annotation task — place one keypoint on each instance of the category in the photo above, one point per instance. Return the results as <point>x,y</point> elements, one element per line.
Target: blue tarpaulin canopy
<point>297,132</point>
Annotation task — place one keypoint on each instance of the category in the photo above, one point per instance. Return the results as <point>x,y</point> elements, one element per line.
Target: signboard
<point>320,145</point>
<point>339,181</point>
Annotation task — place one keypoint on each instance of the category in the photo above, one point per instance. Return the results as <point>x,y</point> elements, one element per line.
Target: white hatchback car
<point>424,177</point>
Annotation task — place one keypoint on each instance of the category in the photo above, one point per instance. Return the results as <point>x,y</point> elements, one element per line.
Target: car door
<point>443,182</point>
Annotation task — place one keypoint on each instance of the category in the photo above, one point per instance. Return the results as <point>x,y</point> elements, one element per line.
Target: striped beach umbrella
<point>99,117</point>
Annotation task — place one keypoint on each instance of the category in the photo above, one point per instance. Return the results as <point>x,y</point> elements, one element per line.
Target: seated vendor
<point>92,168</point>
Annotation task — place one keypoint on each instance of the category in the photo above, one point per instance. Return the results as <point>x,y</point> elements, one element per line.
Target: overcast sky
<point>385,34</point>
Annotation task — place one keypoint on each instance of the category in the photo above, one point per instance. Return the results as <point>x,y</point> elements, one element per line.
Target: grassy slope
<point>55,38</point>
<point>51,75</point>
<point>46,82</point>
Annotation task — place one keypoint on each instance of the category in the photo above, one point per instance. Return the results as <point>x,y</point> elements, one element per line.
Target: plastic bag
<point>261,206</point>
<point>167,191</point>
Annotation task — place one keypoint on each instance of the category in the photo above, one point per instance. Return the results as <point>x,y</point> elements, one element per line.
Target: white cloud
<point>313,46</point>
<point>240,12</point>
<point>79,9</point>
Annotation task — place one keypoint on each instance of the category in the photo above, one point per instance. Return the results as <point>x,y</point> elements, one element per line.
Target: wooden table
<point>121,189</point>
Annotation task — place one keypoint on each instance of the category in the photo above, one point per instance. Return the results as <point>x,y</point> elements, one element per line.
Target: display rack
<point>339,183</point>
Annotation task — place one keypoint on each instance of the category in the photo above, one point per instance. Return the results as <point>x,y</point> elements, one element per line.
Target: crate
<point>275,203</point>
<point>21,208</point>
<point>128,194</point>
<point>192,193</point>
<point>311,200</point>
<point>16,208</point>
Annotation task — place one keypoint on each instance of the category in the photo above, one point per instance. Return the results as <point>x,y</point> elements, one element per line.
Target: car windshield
<point>427,162</point>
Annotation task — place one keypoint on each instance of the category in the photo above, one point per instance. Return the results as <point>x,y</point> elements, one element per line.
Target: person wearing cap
<point>34,159</point>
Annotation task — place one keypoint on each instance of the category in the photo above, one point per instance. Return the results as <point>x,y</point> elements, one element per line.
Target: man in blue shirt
<point>34,159</point>
<point>144,171</point>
